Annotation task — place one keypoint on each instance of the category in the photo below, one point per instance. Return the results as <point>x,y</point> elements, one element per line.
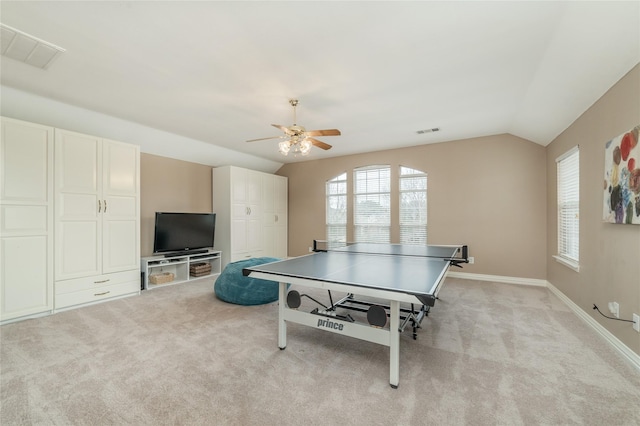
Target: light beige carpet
<point>487,354</point>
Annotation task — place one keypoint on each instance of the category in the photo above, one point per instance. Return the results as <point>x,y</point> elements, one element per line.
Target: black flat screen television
<point>183,233</point>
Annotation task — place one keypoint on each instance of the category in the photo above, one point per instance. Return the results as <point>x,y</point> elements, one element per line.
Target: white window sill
<point>571,264</point>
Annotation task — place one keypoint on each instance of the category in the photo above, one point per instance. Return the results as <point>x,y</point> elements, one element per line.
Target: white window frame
<point>568,184</point>
<point>370,184</point>
<point>412,224</point>
<point>336,211</point>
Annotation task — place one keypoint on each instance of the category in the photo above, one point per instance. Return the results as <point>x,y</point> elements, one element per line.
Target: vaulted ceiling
<point>223,72</point>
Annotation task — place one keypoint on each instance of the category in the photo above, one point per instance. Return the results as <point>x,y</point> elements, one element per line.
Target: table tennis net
<point>457,253</point>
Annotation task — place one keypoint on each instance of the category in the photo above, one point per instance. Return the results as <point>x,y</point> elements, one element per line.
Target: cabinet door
<point>254,218</point>
<point>268,200</point>
<point>253,182</point>
<point>281,217</point>
<point>238,235</point>
<point>78,179</point>
<point>26,219</point>
<point>120,209</point>
<point>254,234</point>
<point>280,196</point>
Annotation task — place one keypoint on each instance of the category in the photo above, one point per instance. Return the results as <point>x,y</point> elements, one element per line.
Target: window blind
<point>372,209</point>
<point>413,206</point>
<point>568,171</point>
<point>336,215</point>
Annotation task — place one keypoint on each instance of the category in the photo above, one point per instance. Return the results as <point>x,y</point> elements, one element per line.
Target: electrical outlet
<point>636,322</point>
<point>310,249</point>
<point>614,308</point>
<point>472,260</point>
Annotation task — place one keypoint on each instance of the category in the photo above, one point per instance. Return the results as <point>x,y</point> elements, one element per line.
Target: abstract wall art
<point>622,179</point>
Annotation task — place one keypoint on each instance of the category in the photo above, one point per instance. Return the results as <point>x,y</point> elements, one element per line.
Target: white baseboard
<point>617,344</point>
<point>498,279</point>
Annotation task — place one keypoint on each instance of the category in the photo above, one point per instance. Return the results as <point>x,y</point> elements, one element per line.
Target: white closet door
<point>26,219</point>
<point>120,210</point>
<point>78,205</point>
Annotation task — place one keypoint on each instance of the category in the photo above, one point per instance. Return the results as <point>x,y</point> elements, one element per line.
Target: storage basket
<point>161,277</point>
<point>200,269</point>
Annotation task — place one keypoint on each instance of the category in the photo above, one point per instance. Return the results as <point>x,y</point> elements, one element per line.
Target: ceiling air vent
<point>27,48</point>
<point>422,132</point>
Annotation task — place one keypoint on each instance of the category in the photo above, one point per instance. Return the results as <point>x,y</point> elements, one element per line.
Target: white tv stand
<point>179,266</point>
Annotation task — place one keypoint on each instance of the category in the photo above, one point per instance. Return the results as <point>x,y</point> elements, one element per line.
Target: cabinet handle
<point>276,218</point>
<point>102,294</point>
<point>99,206</point>
<point>105,206</point>
<point>100,282</point>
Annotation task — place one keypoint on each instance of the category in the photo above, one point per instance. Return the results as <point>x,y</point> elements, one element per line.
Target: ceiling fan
<point>297,139</point>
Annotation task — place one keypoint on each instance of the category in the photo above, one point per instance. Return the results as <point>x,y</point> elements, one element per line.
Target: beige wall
<point>488,193</point>
<point>609,253</point>
<point>168,185</point>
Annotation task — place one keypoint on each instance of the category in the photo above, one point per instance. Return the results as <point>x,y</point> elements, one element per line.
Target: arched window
<point>364,215</point>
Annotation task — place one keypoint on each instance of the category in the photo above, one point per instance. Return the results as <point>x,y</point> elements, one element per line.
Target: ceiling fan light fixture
<point>298,139</point>
<point>284,147</point>
<point>305,147</point>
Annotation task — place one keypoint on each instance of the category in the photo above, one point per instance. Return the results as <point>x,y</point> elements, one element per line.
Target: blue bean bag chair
<point>232,287</point>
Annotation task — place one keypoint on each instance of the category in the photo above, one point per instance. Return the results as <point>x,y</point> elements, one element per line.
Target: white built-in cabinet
<point>97,219</point>
<point>251,214</point>
<point>178,268</point>
<point>26,219</point>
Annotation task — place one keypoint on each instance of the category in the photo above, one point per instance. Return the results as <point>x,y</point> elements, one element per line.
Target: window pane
<point>372,208</point>
<point>337,210</point>
<point>372,234</point>
<point>336,214</point>
<point>413,206</point>
<point>418,183</point>
<point>336,236</point>
<point>413,235</point>
<point>568,168</point>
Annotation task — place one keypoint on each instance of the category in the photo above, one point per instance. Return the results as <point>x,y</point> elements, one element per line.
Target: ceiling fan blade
<point>283,128</point>
<point>326,132</point>
<point>319,144</point>
<point>264,139</point>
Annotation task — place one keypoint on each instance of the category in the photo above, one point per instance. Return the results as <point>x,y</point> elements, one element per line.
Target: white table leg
<point>282,324</point>
<point>394,344</point>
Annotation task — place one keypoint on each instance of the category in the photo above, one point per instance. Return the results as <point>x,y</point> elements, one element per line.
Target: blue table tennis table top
<point>410,269</point>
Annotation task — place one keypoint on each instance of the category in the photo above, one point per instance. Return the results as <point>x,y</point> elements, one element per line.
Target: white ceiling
<point>222,72</point>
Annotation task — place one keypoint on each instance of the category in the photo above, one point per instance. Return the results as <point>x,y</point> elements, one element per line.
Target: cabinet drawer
<point>245,255</point>
<point>97,281</point>
<point>97,294</point>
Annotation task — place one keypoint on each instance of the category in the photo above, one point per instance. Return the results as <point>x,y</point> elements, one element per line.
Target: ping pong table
<point>390,273</point>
